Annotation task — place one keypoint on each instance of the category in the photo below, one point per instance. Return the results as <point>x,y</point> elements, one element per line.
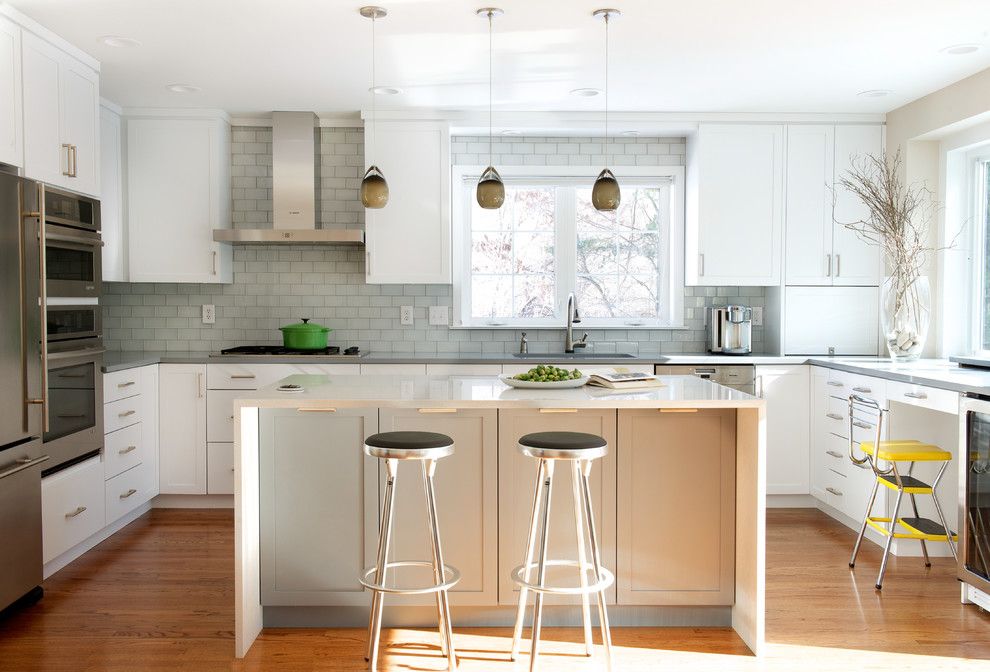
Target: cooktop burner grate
<point>279,350</point>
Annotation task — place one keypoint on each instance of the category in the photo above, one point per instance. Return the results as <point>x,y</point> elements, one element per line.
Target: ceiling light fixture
<point>874,93</point>
<point>606,195</point>
<point>490,192</point>
<point>119,42</point>
<point>182,88</point>
<point>585,93</point>
<point>961,49</point>
<point>385,90</point>
<point>374,188</point>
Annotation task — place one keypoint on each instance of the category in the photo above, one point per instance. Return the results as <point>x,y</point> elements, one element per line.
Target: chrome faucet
<point>573,317</point>
<point>523,344</point>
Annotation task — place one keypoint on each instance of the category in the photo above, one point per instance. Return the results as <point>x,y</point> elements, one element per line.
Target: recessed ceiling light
<point>961,49</point>
<point>874,93</point>
<point>120,42</point>
<point>631,134</point>
<point>385,90</point>
<point>585,93</point>
<point>182,88</point>
<point>511,131</point>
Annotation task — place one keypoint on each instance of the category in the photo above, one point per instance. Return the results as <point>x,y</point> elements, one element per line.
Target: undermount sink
<point>552,356</point>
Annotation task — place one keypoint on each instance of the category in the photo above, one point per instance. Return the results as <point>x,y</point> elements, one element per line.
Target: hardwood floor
<point>158,596</point>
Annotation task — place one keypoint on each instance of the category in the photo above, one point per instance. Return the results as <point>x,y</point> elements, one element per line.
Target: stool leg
<point>530,549</point>
<point>582,558</point>
<point>443,602</point>
<point>938,510</point>
<point>596,561</point>
<point>890,538</point>
<point>438,572</point>
<point>541,572</point>
<point>924,548</point>
<point>862,530</point>
<point>375,628</point>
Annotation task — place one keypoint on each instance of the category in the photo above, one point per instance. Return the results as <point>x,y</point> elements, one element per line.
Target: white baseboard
<point>193,502</point>
<point>61,561</point>
<point>791,502</point>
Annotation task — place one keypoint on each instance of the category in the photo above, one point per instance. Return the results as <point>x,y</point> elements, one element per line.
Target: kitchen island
<point>680,498</point>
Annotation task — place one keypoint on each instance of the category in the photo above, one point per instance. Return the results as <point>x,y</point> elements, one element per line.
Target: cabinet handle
<point>242,376</point>
<point>834,416</point>
<point>915,395</point>
<point>75,161</point>
<point>231,470</point>
<point>864,390</point>
<point>214,262</point>
<point>438,410</point>
<point>367,263</point>
<point>68,159</point>
<point>317,410</point>
<point>70,416</point>
<point>127,494</point>
<point>558,410</point>
<point>835,383</point>
<point>127,384</point>
<point>862,425</point>
<point>199,385</point>
<point>837,493</point>
<point>838,265</point>
<point>79,509</point>
<point>828,265</point>
<point>128,449</point>
<point>833,453</point>
<point>126,414</point>
<point>701,264</point>
<point>678,410</point>
<point>231,418</point>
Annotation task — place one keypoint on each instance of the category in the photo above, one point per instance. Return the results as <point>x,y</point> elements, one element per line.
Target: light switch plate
<point>209,313</point>
<point>757,316</point>
<point>438,315</point>
<point>406,315</point>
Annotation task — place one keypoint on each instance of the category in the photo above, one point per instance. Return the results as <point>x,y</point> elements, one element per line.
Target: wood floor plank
<point>159,596</point>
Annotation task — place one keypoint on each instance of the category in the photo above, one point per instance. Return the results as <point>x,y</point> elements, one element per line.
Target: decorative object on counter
<point>491,191</point>
<point>544,376</point>
<point>898,223</point>
<point>623,380</point>
<point>304,336</point>
<point>605,195</point>
<point>374,188</point>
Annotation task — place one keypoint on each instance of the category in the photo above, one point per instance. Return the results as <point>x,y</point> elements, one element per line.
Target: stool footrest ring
<point>450,574</point>
<point>605,580</point>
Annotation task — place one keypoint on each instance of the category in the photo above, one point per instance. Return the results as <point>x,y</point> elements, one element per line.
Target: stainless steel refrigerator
<point>21,394</point>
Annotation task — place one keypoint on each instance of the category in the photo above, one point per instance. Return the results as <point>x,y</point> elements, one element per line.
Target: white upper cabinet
<point>11,120</point>
<point>111,202</point>
<point>178,192</point>
<point>408,241</point>
<point>735,199</point>
<point>61,117</point>
<point>820,250</point>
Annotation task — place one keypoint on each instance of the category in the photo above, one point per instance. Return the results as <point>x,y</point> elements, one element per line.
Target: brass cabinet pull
<point>558,410</point>
<point>678,410</point>
<point>128,493</point>
<point>837,493</point>
<point>128,449</point>
<point>317,410</point>
<point>438,410</point>
<point>79,509</point>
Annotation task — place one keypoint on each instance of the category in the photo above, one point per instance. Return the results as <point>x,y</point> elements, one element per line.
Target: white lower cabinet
<point>72,506</point>
<point>182,439</point>
<point>126,491</point>
<point>676,507</point>
<point>319,506</point>
<point>787,393</point>
<point>124,449</point>
<point>220,468</point>
<point>467,502</point>
<point>517,476</point>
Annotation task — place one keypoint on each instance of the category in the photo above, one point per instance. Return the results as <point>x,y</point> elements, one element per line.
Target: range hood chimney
<point>295,182</point>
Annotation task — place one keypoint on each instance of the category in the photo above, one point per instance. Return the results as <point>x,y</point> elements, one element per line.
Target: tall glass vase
<point>905,315</point>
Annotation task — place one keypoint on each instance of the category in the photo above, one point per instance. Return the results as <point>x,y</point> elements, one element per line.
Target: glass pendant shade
<point>374,189</point>
<point>605,195</point>
<point>491,191</point>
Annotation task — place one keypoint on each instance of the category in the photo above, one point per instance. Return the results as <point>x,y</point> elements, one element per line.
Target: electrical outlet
<point>757,316</point>
<point>209,313</point>
<point>406,315</point>
<point>438,315</point>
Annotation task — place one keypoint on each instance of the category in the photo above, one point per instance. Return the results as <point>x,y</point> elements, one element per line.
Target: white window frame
<point>978,218</point>
<point>672,283</point>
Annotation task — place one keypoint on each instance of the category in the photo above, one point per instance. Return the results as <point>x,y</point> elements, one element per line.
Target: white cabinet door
<point>786,389</point>
<point>516,482</point>
<point>855,262</point>
<point>177,193</point>
<point>735,205</point>
<point>182,435</point>
<point>808,207</point>
<point>467,501</point>
<point>843,319</point>
<point>319,506</point>
<point>11,103</point>
<point>44,157</point>
<point>676,507</point>
<point>408,241</point>
<point>79,123</point>
<point>220,468</point>
<point>821,462</point>
<point>111,198</point>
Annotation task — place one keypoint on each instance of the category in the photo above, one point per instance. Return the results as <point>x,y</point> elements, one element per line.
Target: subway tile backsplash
<point>277,285</point>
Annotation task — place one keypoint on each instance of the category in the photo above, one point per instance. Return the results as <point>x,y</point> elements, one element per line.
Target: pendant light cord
<point>490,135</point>
<point>374,115</point>
<point>605,140</point>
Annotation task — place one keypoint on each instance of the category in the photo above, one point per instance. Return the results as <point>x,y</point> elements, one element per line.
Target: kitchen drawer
<point>122,413</point>
<point>220,468</point>
<point>836,454</point>
<point>127,491</point>
<point>122,384</point>
<point>933,398</point>
<point>72,506</point>
<point>837,416</point>
<point>123,450</point>
<point>220,414</point>
<point>247,376</point>
<point>843,384</point>
<point>835,489</point>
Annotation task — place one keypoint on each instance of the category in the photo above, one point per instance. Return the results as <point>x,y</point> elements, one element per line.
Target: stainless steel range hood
<point>295,182</point>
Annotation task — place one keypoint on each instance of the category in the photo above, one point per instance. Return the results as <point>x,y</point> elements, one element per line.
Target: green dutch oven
<point>304,336</point>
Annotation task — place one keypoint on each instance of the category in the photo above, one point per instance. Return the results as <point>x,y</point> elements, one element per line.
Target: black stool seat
<point>409,445</point>
<point>563,445</point>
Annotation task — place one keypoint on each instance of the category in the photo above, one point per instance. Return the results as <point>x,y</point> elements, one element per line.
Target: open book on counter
<point>624,381</point>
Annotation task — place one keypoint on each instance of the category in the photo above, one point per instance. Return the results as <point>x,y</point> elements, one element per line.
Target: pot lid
<point>305,327</point>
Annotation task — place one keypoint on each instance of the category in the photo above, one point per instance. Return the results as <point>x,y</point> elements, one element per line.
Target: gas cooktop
<point>279,351</point>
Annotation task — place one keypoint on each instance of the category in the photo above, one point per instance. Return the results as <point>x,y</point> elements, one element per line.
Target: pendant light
<point>490,192</point>
<point>374,188</point>
<point>605,195</point>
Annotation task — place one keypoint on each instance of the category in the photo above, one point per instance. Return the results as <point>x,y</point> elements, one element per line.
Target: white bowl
<point>535,385</point>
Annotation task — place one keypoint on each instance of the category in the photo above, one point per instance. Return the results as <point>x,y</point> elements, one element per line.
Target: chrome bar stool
<point>580,450</point>
<point>865,413</point>
<point>427,448</point>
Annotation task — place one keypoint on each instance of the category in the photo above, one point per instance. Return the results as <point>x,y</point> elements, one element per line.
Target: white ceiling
<point>253,56</point>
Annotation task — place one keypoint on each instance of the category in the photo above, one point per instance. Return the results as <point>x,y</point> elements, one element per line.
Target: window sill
<point>578,326</point>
